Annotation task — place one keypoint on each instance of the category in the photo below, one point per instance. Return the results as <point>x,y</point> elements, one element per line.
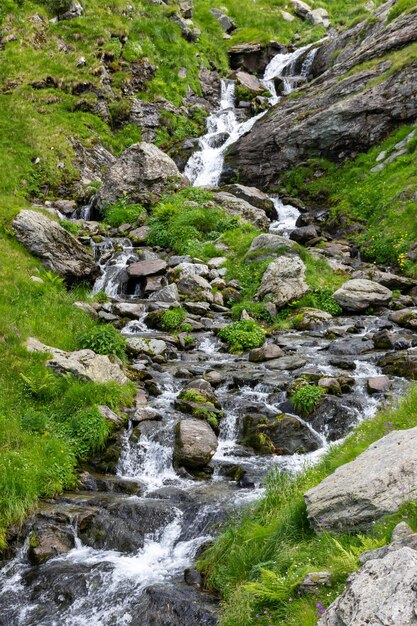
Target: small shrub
<point>243,335</point>
<point>122,213</point>
<point>103,340</point>
<point>173,319</point>
<point>307,398</point>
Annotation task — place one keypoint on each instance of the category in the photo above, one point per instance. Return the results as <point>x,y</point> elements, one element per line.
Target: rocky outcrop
<point>284,280</point>
<point>242,208</point>
<point>383,590</point>
<point>268,245</point>
<point>359,294</point>
<point>141,175</point>
<point>84,364</point>
<point>196,443</point>
<point>254,57</point>
<point>255,197</point>
<point>375,484</point>
<point>58,250</point>
<point>345,111</point>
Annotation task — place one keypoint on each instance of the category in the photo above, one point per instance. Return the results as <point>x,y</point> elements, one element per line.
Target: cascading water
<point>107,586</point>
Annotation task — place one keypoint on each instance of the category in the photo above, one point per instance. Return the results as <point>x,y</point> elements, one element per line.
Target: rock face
<point>58,250</point>
<point>343,112</point>
<point>284,280</point>
<point>85,364</point>
<point>142,174</point>
<point>196,443</point>
<point>373,485</point>
<point>382,592</point>
<point>359,294</point>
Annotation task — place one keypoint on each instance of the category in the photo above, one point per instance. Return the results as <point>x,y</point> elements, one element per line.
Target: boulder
<point>401,363</point>
<point>278,434</point>
<point>195,444</point>
<point>301,9</point>
<point>255,197</point>
<point>254,57</point>
<point>249,82</point>
<point>142,345</point>
<point>334,417</point>
<point>308,319</point>
<point>407,318</point>
<point>146,268</point>
<point>284,280</point>
<point>304,234</point>
<point>265,353</point>
<point>358,294</point>
<point>371,486</point>
<point>84,364</point>
<point>319,17</point>
<point>242,208</point>
<point>192,269</point>
<point>166,294</point>
<point>269,245</point>
<point>224,20</point>
<point>381,592</point>
<point>48,540</point>
<point>142,175</point>
<point>314,582</point>
<point>129,309</point>
<point>75,10</point>
<point>195,288</point>
<point>378,384</point>
<point>58,250</point>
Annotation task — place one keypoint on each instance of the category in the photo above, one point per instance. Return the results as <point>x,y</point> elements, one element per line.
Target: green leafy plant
<point>101,297</point>
<point>52,280</point>
<point>243,335</point>
<point>37,386</point>
<point>173,319</point>
<point>122,213</point>
<point>103,339</point>
<point>307,398</point>
<point>71,227</point>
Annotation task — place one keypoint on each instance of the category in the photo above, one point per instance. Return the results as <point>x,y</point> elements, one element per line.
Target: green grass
<point>243,335</point>
<point>46,422</point>
<point>262,555</point>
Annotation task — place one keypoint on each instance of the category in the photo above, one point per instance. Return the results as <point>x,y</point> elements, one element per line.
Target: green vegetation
<point>402,6</point>
<point>307,398</point>
<point>103,339</point>
<point>259,560</point>
<point>122,213</point>
<point>243,335</point>
<point>381,203</point>
<point>47,422</point>
<point>173,319</point>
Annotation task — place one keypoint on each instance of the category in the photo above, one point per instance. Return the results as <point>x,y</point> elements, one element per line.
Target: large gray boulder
<point>84,364</point>
<point>195,444</point>
<point>242,208</point>
<point>284,280</point>
<point>381,593</point>
<point>373,485</point>
<point>59,251</point>
<point>142,174</point>
<point>268,245</point>
<point>255,197</point>
<point>359,294</point>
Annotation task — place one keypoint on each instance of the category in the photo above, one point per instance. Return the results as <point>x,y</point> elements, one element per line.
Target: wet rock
<point>381,591</point>
<point>85,364</point>
<point>48,540</point>
<point>142,174</point>
<point>193,578</point>
<point>358,295</point>
<point>284,280</point>
<point>254,57</point>
<point>407,318</point>
<point>195,444</point>
<point>265,353</point>
<point>287,363</point>
<point>335,417</point>
<point>401,363</point>
<point>250,82</point>
<point>384,340</point>
<point>331,385</point>
<point>242,208</point>
<point>142,345</point>
<point>351,346</point>
<point>166,294</point>
<point>59,251</point>
<point>369,487</point>
<point>269,245</point>
<point>304,234</point>
<point>378,384</point>
<point>108,483</point>
<point>146,268</point>
<point>279,434</point>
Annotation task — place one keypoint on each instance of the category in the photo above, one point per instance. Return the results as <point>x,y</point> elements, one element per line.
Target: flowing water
<point>138,585</point>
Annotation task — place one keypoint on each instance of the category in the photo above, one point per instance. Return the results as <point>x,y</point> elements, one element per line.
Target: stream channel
<point>151,521</point>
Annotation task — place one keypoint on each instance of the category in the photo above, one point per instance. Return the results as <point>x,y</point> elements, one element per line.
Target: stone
<point>86,307</point>
<point>75,10</point>
<point>407,318</point>
<point>195,444</point>
<point>84,364</point>
<point>242,208</point>
<point>58,250</point>
<point>331,385</point>
<point>287,363</point>
<point>269,245</point>
<point>255,197</point>
<point>315,581</point>
<point>265,353</point>
<point>139,235</point>
<point>250,82</point>
<point>287,16</point>
<point>335,416</point>
<point>278,434</point>
<point>319,17</point>
<point>301,9</point>
<point>284,280</point>
<point>308,319</point>
<point>216,262</point>
<point>402,363</point>
<point>115,420</point>
<point>154,283</point>
<point>195,288</point>
<point>192,269</point>
<point>129,309</point>
<point>387,279</point>
<point>304,234</point>
<point>378,384</point>
<point>141,175</point>
<point>381,592</point>
<point>166,294</point>
<point>142,345</point>
<point>371,486</point>
<point>146,268</point>
<point>48,540</point>
<point>359,294</point>
<point>225,22</point>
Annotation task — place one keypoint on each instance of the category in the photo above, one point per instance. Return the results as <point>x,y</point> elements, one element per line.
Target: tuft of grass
<point>103,339</point>
<point>243,335</point>
<point>307,398</point>
<point>122,213</point>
